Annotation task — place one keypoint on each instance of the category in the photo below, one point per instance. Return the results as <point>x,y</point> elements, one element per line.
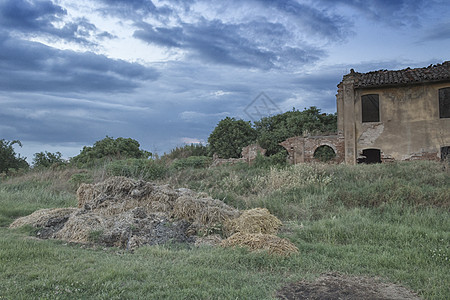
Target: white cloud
<point>188,141</point>
<point>194,116</point>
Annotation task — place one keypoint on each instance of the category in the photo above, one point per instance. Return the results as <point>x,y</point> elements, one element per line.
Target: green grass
<point>389,220</point>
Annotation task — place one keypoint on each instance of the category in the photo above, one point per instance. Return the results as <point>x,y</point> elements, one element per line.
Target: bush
<point>230,136</point>
<point>9,161</point>
<point>110,149</point>
<point>278,159</point>
<point>137,168</point>
<point>47,159</point>
<point>187,151</point>
<point>195,162</point>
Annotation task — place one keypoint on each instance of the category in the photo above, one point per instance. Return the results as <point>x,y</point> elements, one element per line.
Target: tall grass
<point>388,220</point>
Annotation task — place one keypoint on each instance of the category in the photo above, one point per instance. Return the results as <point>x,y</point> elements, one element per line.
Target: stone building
<point>386,116</point>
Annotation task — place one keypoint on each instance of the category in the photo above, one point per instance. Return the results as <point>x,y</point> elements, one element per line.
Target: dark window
<point>370,156</point>
<point>370,108</point>
<point>444,103</point>
<point>445,153</point>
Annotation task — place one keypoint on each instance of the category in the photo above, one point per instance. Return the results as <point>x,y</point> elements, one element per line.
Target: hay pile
<point>43,217</point>
<point>261,242</point>
<point>255,229</point>
<point>206,211</point>
<point>127,213</point>
<point>257,220</point>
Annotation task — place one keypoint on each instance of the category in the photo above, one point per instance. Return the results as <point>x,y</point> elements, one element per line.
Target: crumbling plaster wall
<point>409,127</point>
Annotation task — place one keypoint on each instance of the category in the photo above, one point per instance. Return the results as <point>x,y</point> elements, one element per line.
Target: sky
<point>166,72</point>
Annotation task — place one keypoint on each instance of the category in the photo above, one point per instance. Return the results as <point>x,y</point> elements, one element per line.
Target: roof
<point>432,73</point>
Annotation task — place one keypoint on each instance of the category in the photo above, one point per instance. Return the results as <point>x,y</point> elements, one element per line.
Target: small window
<point>444,103</point>
<point>445,153</point>
<point>370,108</point>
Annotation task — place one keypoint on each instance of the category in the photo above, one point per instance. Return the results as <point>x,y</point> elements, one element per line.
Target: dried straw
<point>80,226</point>
<point>261,242</point>
<point>204,211</point>
<point>40,217</point>
<point>257,220</point>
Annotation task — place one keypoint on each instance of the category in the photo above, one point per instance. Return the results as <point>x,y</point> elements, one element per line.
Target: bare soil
<point>338,286</point>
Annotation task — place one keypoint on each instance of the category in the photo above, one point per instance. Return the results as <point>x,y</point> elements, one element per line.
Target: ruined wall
<point>409,127</point>
<point>301,149</point>
<point>250,152</point>
<point>248,155</point>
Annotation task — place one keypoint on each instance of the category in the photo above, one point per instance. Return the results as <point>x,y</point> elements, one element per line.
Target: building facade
<point>395,115</point>
<point>386,116</point>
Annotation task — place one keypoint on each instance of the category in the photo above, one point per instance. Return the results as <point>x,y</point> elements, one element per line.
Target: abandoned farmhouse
<point>386,116</point>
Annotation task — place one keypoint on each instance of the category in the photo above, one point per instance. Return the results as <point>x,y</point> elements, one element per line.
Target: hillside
<point>350,224</point>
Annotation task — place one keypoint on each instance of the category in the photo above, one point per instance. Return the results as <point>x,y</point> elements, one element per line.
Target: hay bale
<point>40,218</point>
<point>257,220</point>
<point>206,211</point>
<point>261,242</point>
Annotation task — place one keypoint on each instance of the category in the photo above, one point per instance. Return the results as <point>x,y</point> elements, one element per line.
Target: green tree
<point>275,129</point>
<point>8,158</point>
<point>230,136</point>
<point>47,159</point>
<point>109,149</point>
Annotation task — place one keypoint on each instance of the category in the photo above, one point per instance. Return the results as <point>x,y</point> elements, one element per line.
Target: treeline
<point>226,140</point>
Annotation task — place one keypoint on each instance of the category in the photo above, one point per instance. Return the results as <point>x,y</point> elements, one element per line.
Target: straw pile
<point>261,242</point>
<point>127,213</point>
<point>205,211</point>
<point>80,228</point>
<point>257,220</point>
<point>43,217</point>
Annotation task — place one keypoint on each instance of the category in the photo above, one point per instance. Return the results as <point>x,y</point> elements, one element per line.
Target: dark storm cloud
<point>31,66</point>
<point>392,12</point>
<point>134,8</point>
<point>38,18</point>
<point>310,19</point>
<point>252,44</point>
<point>438,32</point>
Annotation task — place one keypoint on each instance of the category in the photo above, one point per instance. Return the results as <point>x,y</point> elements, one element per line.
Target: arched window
<point>324,153</point>
<point>370,107</point>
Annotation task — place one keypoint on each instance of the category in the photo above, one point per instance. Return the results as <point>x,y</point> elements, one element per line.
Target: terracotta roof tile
<point>439,72</point>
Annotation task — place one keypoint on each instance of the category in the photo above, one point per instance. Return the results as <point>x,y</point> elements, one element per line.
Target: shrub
<point>110,149</point>
<point>9,161</point>
<point>230,136</point>
<point>187,151</point>
<point>47,159</point>
<point>195,162</point>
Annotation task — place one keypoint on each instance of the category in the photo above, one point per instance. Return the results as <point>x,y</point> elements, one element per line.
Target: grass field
<point>388,220</point>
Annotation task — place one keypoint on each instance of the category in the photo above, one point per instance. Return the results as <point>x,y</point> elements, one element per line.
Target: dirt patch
<point>338,286</point>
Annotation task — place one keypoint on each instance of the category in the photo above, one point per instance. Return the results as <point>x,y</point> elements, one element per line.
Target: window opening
<point>324,153</point>
<point>370,108</point>
<point>445,153</point>
<point>444,103</point>
<point>371,156</point>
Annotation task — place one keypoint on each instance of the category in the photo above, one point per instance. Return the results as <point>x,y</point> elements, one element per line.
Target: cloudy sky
<point>165,72</point>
